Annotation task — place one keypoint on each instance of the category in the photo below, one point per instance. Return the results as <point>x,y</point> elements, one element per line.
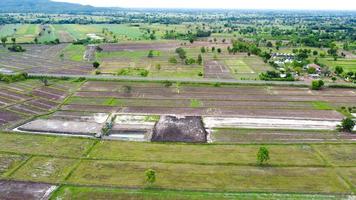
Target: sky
<point>238,4</point>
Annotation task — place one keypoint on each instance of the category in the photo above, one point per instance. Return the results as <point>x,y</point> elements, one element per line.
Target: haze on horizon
<point>227,4</point>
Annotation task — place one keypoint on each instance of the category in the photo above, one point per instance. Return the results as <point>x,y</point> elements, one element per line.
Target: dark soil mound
<point>173,129</point>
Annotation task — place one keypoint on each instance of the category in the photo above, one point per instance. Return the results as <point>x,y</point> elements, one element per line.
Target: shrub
<point>133,72</point>
<point>150,54</point>
<point>190,61</point>
<point>167,84</point>
<point>13,77</point>
<point>173,60</point>
<point>16,48</point>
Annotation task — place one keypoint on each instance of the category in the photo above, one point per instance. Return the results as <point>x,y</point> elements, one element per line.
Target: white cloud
<point>241,4</point>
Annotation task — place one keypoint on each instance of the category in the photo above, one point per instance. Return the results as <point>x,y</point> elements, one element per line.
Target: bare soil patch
<point>17,190</point>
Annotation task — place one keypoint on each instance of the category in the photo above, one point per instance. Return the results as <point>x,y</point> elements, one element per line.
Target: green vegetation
<point>72,192</point>
<point>195,103</point>
<point>262,155</point>
<point>178,166</point>
<point>74,52</point>
<point>13,78</point>
<point>320,105</point>
<point>317,84</point>
<point>133,72</point>
<point>347,125</point>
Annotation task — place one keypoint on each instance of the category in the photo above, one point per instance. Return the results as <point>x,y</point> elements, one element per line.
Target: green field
<point>293,168</point>
<point>74,52</point>
<point>347,64</point>
<point>71,192</point>
<point>24,33</point>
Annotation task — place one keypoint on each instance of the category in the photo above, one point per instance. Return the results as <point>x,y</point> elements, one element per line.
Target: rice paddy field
<point>318,164</point>
<point>102,169</point>
<point>65,154</point>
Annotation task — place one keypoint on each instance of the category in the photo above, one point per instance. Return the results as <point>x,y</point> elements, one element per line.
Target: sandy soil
<point>65,127</point>
<point>267,123</point>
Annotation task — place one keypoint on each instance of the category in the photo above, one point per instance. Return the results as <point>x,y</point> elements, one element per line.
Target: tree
<point>191,40</point>
<point>339,70</point>
<point>311,70</point>
<point>36,40</point>
<point>181,53</point>
<point>219,50</point>
<point>269,44</point>
<point>200,59</point>
<point>317,84</point>
<point>3,41</point>
<point>202,50</point>
<point>13,40</point>
<point>150,54</point>
<point>347,125</point>
<point>262,155</point>
<point>150,176</point>
<point>213,49</point>
<point>45,81</point>
<point>96,64</point>
<point>333,78</point>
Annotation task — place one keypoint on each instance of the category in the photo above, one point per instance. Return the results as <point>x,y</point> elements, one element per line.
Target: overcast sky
<point>241,4</point>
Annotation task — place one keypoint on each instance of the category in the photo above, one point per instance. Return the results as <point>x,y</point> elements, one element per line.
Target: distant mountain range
<point>45,6</point>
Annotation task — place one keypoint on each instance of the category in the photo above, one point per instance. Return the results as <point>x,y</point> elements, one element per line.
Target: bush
<point>347,125</point>
<point>16,48</point>
<point>317,84</point>
<point>173,60</point>
<point>96,64</point>
<point>167,84</point>
<point>133,72</point>
<point>275,76</point>
<point>13,77</point>
<point>190,61</point>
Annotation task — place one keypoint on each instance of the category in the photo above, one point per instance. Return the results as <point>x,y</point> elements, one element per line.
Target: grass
<point>349,174</point>
<point>346,64</point>
<point>236,135</point>
<point>338,155</point>
<point>134,55</point>
<point>43,145</point>
<point>123,32</point>
<point>25,33</point>
<point>74,52</point>
<point>195,103</point>
<point>48,37</point>
<point>207,177</point>
<point>9,161</point>
<point>238,66</point>
<point>320,105</point>
<point>44,169</point>
<point>204,154</point>
<point>72,192</point>
<point>293,168</point>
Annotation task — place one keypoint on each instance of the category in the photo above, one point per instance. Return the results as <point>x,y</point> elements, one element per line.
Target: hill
<point>45,6</point>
